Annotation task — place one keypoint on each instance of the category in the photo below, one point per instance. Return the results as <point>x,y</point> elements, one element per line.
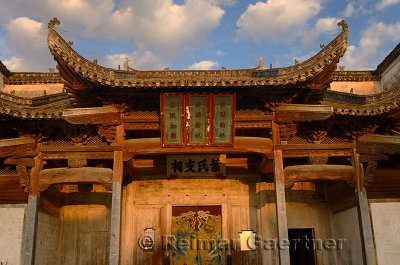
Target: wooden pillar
<point>364,217</point>
<point>279,177</point>
<point>31,216</point>
<point>115,222</point>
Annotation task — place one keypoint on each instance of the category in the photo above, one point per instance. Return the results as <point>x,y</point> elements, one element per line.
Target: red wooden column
<point>279,177</point>
<point>31,215</point>
<point>115,222</point>
<point>364,217</point>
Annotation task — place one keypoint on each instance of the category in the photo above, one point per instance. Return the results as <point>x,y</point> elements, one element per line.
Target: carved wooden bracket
<point>107,133</point>
<point>287,131</point>
<point>317,159</point>
<point>23,177</point>
<point>77,162</point>
<point>369,174</point>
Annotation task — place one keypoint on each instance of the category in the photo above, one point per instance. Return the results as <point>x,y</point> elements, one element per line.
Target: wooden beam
<point>314,146</point>
<point>266,166</point>
<point>302,112</point>
<point>318,172</point>
<point>365,224</point>
<point>364,217</point>
<point>115,223</point>
<point>100,115</point>
<point>307,153</point>
<point>23,146</point>
<point>376,144</point>
<point>31,215</point>
<point>279,177</point>
<point>75,175</point>
<point>242,145</point>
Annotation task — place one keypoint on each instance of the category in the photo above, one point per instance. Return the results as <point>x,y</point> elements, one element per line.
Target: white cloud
<point>364,55</point>
<point>349,11</point>
<point>143,60</point>
<point>322,26</point>
<point>14,63</point>
<point>279,20</point>
<point>220,53</point>
<point>160,27</point>
<point>25,45</point>
<point>203,65</point>
<point>386,3</point>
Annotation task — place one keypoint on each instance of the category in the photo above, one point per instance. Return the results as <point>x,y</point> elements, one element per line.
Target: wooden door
<point>197,235</point>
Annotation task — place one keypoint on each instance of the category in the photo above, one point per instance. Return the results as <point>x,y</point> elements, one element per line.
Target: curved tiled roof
<point>44,107</point>
<point>4,70</point>
<point>91,73</point>
<point>395,53</point>
<point>33,78</point>
<point>363,105</point>
<point>354,76</point>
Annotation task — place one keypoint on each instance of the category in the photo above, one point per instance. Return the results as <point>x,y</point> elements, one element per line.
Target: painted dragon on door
<point>197,235</point>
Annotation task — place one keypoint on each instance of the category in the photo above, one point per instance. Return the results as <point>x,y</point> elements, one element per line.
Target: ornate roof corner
<point>53,22</point>
<point>43,107</point>
<point>363,105</point>
<point>395,53</point>
<point>4,70</point>
<point>343,25</point>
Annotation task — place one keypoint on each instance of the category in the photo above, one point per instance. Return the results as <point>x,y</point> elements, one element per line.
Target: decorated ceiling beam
<point>102,115</point>
<point>302,113</point>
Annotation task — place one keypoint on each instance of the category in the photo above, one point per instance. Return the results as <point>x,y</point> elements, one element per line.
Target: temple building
<point>291,165</point>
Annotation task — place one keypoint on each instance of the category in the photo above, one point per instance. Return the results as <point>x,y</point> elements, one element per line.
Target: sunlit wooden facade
<point>116,166</point>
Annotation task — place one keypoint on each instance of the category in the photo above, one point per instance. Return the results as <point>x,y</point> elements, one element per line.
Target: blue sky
<point>197,34</point>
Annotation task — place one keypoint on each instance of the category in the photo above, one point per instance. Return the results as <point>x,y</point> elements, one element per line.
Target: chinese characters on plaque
<point>197,119</point>
<point>196,165</point>
<point>222,119</point>
<point>172,122</point>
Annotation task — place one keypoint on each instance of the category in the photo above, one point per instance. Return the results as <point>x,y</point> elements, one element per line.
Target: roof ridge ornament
<point>343,24</point>
<point>53,22</point>
<point>260,63</point>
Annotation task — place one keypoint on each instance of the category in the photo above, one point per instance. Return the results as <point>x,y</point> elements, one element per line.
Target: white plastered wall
<point>386,227</point>
<point>11,226</point>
